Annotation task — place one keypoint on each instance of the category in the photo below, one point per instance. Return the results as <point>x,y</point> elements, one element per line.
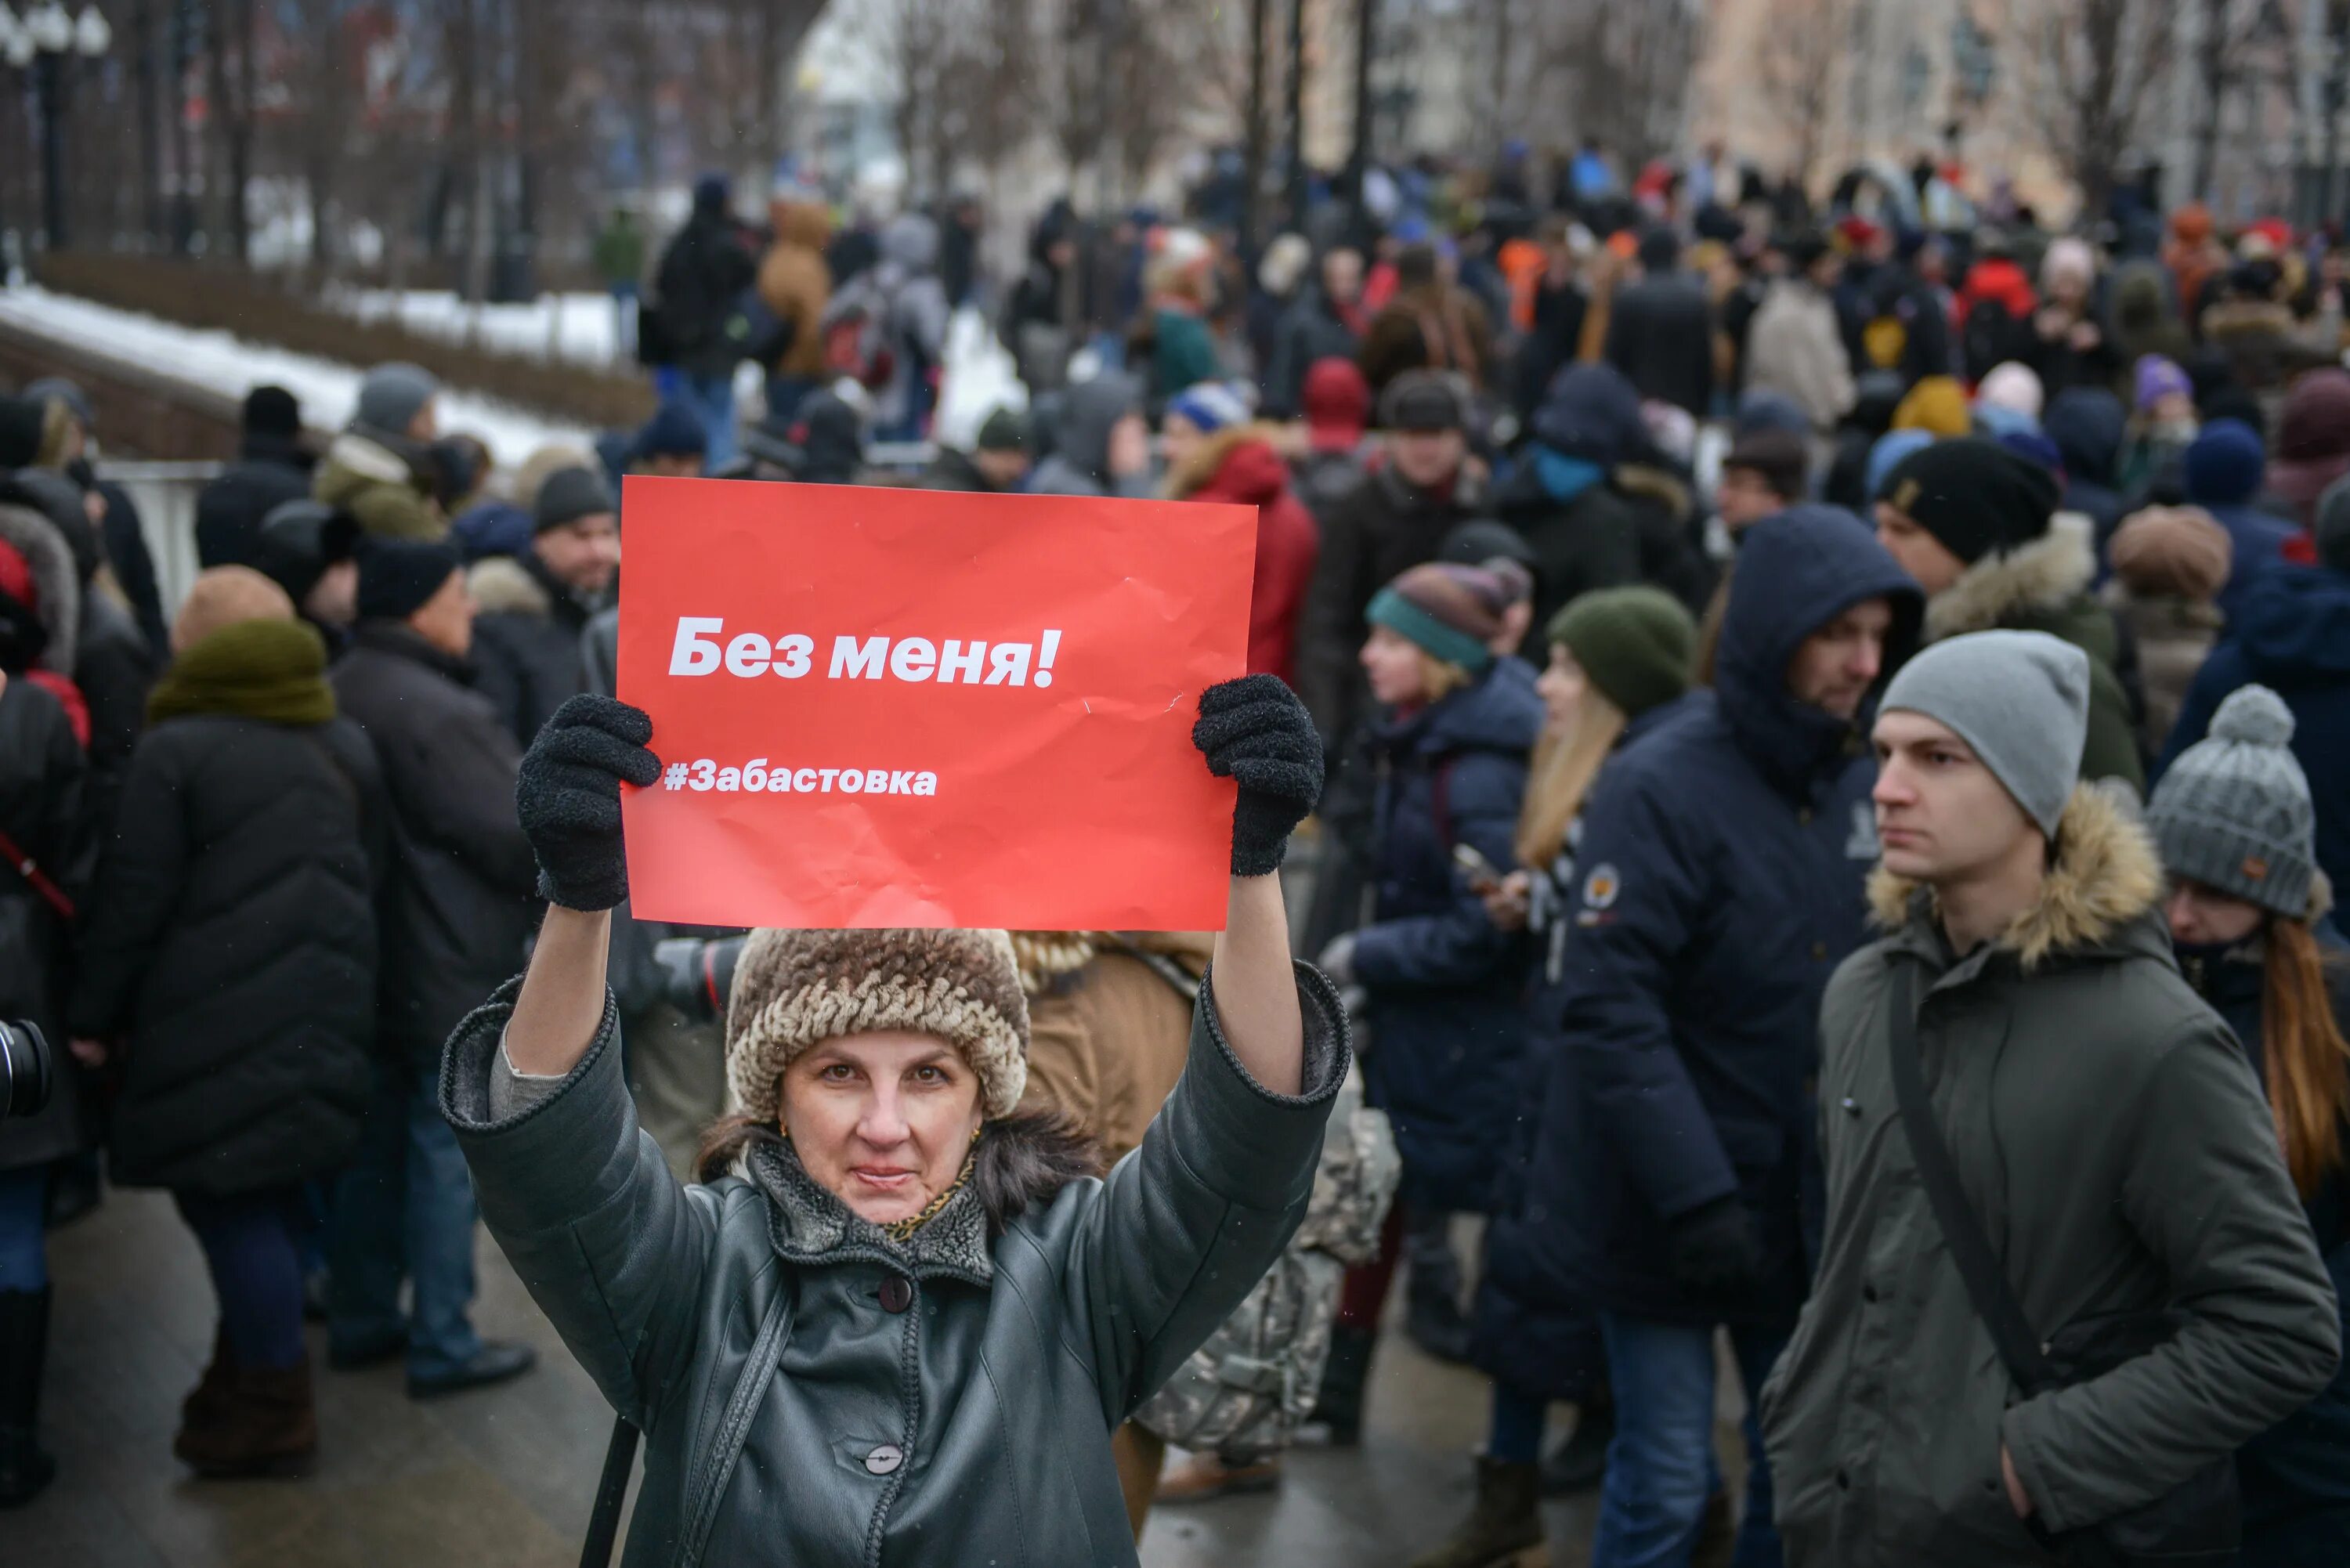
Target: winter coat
<point>1534,1327</point>
<point>1660,334</point>
<point>2145,322</point>
<point>41,774</point>
<point>92,640</point>
<point>1449,1040</point>
<point>527,657</point>
<point>2087,424</point>
<point>114,670</point>
<point>1723,861</point>
<point>1582,533</point>
<point>2296,1475</point>
<point>268,472</point>
<point>1440,327</point>
<point>967,1417</point>
<point>2116,1147</point>
<point>457,906</point>
<point>1671,531</point>
<point>367,476</point>
<point>1310,330</point>
<point>2044,587</point>
<point>2257,540</point>
<point>1108,1030</point>
<point>134,567</point>
<point>1795,347</point>
<point>2293,636</point>
<point>1378,531</point>
<point>697,288</point>
<point>914,318</point>
<point>954,470</point>
<point>1552,344</point>
<point>231,945</point>
<point>2174,636</point>
<point>794,285</point>
<point>2061,366</point>
<point>1241,464</point>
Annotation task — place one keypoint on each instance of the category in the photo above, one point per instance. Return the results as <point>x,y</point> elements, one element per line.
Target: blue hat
<point>672,431</point>
<point>2223,466</point>
<point>1209,407</point>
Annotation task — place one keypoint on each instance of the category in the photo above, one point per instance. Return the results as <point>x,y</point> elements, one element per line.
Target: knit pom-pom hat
<point>795,989</point>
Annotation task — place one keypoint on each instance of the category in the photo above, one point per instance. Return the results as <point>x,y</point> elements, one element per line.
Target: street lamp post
<point>41,42</point>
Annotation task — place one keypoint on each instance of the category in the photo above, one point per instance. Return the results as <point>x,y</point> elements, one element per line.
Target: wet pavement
<point>506,1476</point>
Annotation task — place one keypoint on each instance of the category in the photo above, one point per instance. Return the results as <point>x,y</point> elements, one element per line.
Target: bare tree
<point>2095,62</point>
<point>1801,44</point>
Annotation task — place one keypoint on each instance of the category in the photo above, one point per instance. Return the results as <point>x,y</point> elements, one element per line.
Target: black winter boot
<point>24,1468</point>
<point>1340,1405</point>
<point>1580,1464</point>
<point>1505,1526</point>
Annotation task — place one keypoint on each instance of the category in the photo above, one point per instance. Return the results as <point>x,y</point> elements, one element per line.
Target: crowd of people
<point>1835,770</point>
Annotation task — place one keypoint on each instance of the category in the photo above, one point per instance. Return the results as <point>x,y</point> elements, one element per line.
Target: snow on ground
<point>574,328</point>
<point>229,365</point>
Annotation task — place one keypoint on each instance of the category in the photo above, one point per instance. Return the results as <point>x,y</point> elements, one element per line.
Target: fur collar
<point>2046,574</point>
<point>1654,483</point>
<point>501,585</point>
<point>1050,960</point>
<point>2106,876</point>
<point>1201,469</point>
<point>56,582</point>
<point>809,1225</point>
<point>369,458</point>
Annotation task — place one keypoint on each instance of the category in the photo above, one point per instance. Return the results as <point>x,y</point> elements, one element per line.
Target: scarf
<point>273,670</point>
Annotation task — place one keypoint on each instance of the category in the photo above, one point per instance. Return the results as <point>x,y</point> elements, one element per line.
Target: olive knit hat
<point>793,989</point>
<point>2234,811</point>
<point>1636,644</point>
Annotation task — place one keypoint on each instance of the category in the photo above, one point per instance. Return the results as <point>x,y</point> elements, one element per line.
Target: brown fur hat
<point>793,989</point>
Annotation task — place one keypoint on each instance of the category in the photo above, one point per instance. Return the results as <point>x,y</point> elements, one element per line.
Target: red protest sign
<point>908,708</point>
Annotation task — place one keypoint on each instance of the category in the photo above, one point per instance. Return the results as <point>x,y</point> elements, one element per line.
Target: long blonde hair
<point>1564,763</point>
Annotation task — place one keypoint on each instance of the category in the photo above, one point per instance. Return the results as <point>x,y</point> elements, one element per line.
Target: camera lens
<point>24,1069</point>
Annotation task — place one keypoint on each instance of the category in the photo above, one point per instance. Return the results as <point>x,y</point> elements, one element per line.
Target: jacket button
<point>1851,1106</point>
<point>1868,1294</point>
<point>1819,950</point>
<point>885,1459</point>
<point>1843,1479</point>
<point>1804,818</point>
<point>897,1295</point>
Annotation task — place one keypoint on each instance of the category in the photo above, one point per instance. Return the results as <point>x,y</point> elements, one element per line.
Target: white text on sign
<point>702,648</point>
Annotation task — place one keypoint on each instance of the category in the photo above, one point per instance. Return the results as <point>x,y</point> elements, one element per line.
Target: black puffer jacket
<point>41,782</point>
<point>268,472</point>
<point>459,907</point>
<point>526,641</point>
<point>232,946</point>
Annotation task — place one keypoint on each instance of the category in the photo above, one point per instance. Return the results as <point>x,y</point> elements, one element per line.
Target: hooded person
<point>2222,472</point>
<point>380,468</point>
<point>1100,444</point>
<point>531,609</point>
<point>795,288</point>
<point>271,469</point>
<point>879,1153</point>
<point>1977,527</point>
<point>228,968</point>
<point>1334,403</point>
<point>2169,563</point>
<point>2025,1009</point>
<point>1215,452</point>
<point>1618,661</point>
<point>1558,497</point>
<point>1454,731</point>
<point>2085,424</point>
<point>2290,632</point>
<point>2312,443</point>
<point>2236,829</point>
<point>1675,1121</point>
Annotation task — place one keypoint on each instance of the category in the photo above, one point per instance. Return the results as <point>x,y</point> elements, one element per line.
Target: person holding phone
<point>902,1317</point>
<point>1619,659</point>
<point>1449,753</point>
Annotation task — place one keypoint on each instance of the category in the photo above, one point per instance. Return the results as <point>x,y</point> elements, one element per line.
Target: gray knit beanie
<point>391,396</point>
<point>2233,813</point>
<point>2019,699</point>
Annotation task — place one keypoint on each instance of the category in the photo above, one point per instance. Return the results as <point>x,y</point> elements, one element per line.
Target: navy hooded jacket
<point>1446,1060</point>
<point>2087,424</point>
<point>2293,636</point>
<point>1723,861</point>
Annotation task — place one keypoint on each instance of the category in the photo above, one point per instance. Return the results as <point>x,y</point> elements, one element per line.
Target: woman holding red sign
<point>903,1318</point>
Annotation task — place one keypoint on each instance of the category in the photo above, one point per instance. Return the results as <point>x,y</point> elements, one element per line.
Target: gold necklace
<point>902,1230</point>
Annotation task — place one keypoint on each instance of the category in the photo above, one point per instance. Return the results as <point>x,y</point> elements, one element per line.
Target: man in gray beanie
<point>380,468</point>
<point>2102,1126</point>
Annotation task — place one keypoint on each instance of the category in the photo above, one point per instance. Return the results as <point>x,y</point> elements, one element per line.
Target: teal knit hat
<point>1450,612</point>
<point>2234,811</point>
<point>1636,645</point>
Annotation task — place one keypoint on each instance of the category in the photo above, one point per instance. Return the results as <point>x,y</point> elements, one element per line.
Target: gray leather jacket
<point>811,1392</point>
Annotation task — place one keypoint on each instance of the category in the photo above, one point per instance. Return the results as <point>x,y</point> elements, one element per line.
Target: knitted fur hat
<point>794,989</point>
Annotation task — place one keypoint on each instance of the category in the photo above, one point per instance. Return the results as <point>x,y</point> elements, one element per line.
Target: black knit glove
<point>568,798</point>
<point>1713,1252</point>
<point>1256,732</point>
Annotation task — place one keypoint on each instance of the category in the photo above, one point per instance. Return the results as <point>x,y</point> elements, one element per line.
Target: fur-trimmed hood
<point>2045,575</point>
<point>1649,482</point>
<point>54,583</point>
<point>501,585</point>
<point>1049,959</point>
<point>2106,875</point>
<point>1255,475</point>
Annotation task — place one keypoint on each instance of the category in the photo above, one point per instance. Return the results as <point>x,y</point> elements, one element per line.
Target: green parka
<point>2111,1136</point>
<point>812,1392</point>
